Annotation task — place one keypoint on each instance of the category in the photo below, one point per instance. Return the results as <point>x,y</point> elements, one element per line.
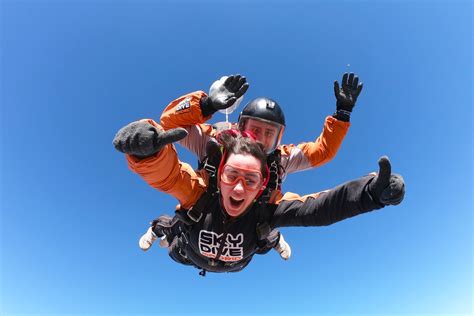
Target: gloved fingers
<point>242,90</point>
<point>359,89</point>
<point>117,142</point>
<point>241,82</point>
<point>397,184</point>
<point>137,138</point>
<point>228,81</point>
<point>395,192</point>
<point>172,135</point>
<point>355,82</point>
<point>118,145</point>
<point>122,139</point>
<point>344,82</point>
<point>350,81</point>
<point>126,147</point>
<point>230,101</point>
<point>388,198</point>
<point>235,83</point>
<point>138,142</point>
<point>336,88</point>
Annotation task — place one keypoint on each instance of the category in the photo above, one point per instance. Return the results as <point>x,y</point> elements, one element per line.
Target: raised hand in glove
<point>141,139</point>
<point>347,96</point>
<point>223,94</point>
<point>387,188</point>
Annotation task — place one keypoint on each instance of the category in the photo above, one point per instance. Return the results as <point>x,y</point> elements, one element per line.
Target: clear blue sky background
<point>73,73</point>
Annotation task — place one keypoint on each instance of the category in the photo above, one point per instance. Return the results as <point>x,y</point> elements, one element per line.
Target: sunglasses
<point>252,179</point>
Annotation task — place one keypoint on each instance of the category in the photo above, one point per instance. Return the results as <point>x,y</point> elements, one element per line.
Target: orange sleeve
<point>165,172</point>
<point>325,147</point>
<point>184,111</point>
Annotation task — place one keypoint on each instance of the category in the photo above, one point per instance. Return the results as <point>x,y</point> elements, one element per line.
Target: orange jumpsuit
<point>186,112</point>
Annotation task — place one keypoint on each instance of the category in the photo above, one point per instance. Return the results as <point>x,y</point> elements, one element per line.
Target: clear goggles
<point>267,132</point>
<point>251,179</point>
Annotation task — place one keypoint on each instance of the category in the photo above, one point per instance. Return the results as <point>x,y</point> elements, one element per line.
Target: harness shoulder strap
<point>210,163</point>
<point>274,183</point>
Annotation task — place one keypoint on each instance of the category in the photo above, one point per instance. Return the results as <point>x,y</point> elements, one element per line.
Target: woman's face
<point>240,182</point>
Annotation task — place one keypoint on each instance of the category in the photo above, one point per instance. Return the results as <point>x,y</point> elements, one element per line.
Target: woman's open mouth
<point>235,203</point>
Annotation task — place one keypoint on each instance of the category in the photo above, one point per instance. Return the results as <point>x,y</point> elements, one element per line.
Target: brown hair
<point>234,143</point>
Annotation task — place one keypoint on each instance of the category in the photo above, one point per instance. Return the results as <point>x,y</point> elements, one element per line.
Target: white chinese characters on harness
<point>209,246</point>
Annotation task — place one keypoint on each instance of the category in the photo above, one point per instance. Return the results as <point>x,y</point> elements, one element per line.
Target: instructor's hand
<point>224,94</point>
<point>142,139</point>
<point>347,96</point>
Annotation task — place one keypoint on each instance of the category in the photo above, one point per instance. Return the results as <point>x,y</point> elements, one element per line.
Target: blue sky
<point>73,73</point>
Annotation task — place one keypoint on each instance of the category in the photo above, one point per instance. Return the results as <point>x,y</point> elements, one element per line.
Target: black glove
<point>347,97</point>
<point>224,95</point>
<point>141,139</point>
<point>387,188</point>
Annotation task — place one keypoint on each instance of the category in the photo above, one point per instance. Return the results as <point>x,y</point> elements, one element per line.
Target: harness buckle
<point>195,216</point>
<point>209,168</point>
<point>182,253</point>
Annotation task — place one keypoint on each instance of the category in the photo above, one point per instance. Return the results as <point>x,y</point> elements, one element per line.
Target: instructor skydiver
<point>265,119</point>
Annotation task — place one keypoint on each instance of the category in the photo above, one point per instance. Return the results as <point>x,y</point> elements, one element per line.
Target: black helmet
<point>265,110</point>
